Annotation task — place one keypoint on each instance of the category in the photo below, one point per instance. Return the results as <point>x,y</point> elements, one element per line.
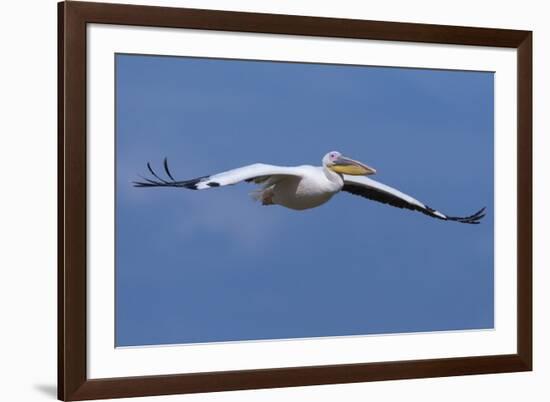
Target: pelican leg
<point>267,196</point>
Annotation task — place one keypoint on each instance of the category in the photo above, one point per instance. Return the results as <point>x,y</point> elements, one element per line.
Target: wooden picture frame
<point>73,382</point>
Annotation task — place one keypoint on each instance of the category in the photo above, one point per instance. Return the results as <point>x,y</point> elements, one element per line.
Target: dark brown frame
<point>73,383</point>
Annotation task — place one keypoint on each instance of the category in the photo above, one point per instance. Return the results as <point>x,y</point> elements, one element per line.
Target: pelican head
<point>338,163</point>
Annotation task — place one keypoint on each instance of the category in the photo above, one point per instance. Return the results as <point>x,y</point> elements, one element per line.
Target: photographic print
<point>265,200</point>
<point>251,200</point>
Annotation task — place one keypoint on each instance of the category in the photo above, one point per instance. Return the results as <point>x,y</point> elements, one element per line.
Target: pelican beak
<point>349,166</point>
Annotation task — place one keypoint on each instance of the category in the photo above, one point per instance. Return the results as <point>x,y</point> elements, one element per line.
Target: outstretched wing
<point>257,173</point>
<point>371,189</point>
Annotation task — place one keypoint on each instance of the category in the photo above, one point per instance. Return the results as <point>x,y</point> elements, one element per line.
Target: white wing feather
<point>249,172</point>
<point>371,189</point>
<point>375,185</point>
<point>257,172</point>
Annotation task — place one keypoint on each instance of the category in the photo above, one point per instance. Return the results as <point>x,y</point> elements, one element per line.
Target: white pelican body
<point>313,187</point>
<point>305,187</point>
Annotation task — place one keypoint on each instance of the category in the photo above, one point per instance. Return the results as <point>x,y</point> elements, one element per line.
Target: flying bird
<point>304,187</point>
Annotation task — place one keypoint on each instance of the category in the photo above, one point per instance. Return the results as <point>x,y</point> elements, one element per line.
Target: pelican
<point>304,187</point>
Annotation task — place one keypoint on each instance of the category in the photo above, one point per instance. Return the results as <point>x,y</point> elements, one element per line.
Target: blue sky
<point>207,266</point>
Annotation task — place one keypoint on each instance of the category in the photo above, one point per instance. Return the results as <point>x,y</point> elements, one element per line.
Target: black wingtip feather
<point>154,174</point>
<point>165,163</point>
<point>160,182</point>
<point>473,219</point>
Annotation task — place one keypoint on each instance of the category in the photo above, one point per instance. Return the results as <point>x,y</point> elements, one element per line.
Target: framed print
<point>253,200</point>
